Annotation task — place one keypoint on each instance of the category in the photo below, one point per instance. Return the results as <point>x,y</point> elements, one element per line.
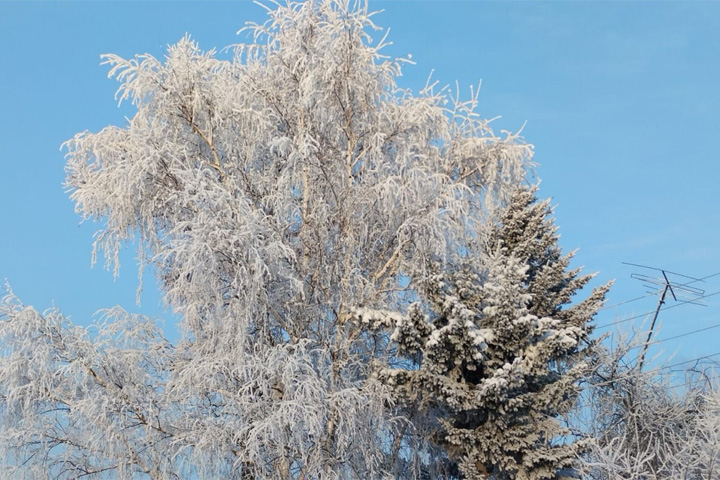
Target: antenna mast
<point>665,285</point>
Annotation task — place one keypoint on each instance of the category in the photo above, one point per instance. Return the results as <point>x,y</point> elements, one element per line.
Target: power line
<point>691,360</point>
<point>666,367</point>
<point>635,373</point>
<point>680,303</point>
<point>667,285</point>
<point>717,325</point>
<point>652,294</point>
<point>627,301</point>
<point>702,279</point>
<point>696,381</point>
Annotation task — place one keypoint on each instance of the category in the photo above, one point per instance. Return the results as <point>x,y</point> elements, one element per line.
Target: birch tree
<point>649,425</point>
<point>273,189</point>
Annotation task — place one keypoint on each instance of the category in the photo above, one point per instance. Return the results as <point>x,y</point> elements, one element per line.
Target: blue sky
<point>620,99</point>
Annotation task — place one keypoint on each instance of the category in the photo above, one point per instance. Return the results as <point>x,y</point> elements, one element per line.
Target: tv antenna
<point>681,291</point>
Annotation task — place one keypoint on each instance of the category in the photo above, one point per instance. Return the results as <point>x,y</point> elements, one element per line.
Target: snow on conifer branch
<point>496,354</point>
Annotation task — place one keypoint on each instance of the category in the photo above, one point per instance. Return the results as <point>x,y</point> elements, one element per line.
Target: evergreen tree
<point>497,353</point>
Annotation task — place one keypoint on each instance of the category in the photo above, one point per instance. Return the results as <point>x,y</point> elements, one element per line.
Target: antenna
<point>681,292</point>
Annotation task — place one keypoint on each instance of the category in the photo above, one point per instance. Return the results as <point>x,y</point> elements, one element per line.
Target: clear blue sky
<point>621,100</point>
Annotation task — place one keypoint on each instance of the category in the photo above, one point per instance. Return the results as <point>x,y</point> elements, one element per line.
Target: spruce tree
<point>497,353</point>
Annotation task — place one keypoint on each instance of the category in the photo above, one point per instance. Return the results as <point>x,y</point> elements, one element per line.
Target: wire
<point>691,360</point>
<point>697,279</point>
<point>696,382</point>
<point>717,325</point>
<point>627,301</point>
<point>652,294</point>
<point>653,311</point>
<point>634,374</point>
<point>666,367</point>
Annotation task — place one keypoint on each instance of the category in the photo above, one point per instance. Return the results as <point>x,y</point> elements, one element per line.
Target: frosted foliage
<point>279,190</point>
<point>640,427</point>
<point>492,365</point>
<point>125,401</point>
<point>294,175</point>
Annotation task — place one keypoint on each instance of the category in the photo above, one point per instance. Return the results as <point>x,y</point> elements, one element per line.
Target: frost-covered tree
<point>272,190</point>
<point>495,352</point>
<point>649,425</point>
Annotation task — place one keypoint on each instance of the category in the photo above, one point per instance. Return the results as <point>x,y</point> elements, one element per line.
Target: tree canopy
<point>366,284</point>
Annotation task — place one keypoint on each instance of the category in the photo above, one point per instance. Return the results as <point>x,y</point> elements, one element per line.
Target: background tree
<point>640,426</point>
<point>495,354</point>
<point>271,192</point>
